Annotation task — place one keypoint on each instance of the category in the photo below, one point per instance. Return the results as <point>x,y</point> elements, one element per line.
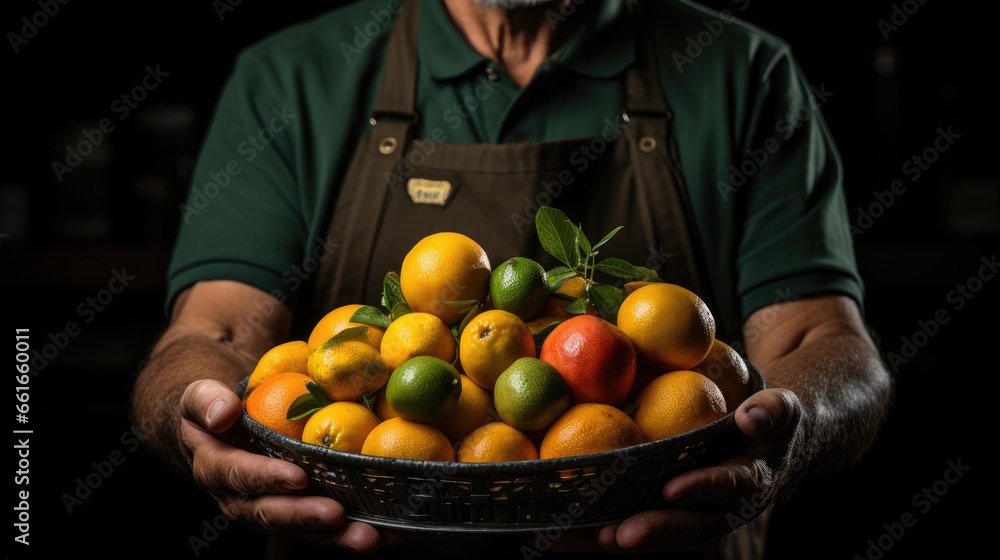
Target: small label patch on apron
<point>429,191</point>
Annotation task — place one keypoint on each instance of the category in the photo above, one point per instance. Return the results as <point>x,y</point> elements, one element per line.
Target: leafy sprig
<point>568,243</point>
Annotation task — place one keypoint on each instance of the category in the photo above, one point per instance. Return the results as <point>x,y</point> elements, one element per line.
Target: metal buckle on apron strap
<point>646,143</point>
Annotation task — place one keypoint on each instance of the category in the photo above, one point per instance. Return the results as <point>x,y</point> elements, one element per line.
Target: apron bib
<point>398,190</point>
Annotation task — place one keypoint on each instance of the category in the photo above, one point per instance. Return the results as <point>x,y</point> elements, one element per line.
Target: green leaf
<point>577,307</point>
<point>398,310</point>
<point>308,403</point>
<point>392,294</point>
<point>466,320</point>
<point>347,334</point>
<point>619,268</point>
<point>582,241</point>
<point>648,274</point>
<point>558,235</point>
<point>370,315</point>
<point>606,299</point>
<point>463,305</point>
<point>607,237</point>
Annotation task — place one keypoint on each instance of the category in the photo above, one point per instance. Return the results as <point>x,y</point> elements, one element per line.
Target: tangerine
<point>341,426</point>
<point>270,401</point>
<point>417,334</point>
<point>496,442</point>
<point>676,403</point>
<point>587,428</point>
<point>400,438</point>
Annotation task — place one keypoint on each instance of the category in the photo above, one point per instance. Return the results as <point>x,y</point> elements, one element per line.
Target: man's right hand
<point>254,489</point>
<point>217,331</point>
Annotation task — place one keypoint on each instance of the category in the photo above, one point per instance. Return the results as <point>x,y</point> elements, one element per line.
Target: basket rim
<point>456,468</point>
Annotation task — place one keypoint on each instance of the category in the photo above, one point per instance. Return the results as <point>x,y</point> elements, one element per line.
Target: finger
<point>210,405</point>
<point>768,413</point>
<point>222,469</point>
<point>671,529</point>
<point>717,484</point>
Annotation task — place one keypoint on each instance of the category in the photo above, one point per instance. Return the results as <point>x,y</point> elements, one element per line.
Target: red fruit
<point>595,358</point>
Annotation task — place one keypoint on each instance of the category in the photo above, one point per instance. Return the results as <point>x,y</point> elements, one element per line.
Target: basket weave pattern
<point>582,491</point>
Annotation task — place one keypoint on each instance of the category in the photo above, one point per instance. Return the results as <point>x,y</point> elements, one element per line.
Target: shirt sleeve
<point>242,219</point>
<point>794,237</point>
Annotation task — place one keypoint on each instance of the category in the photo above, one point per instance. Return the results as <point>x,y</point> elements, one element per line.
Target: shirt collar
<point>603,47</point>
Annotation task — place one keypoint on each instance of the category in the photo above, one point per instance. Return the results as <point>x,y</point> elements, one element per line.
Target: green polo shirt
<point>763,173</point>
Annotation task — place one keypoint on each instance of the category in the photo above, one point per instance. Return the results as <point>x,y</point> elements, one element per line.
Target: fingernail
<point>289,485</point>
<point>214,411</point>
<point>760,417</point>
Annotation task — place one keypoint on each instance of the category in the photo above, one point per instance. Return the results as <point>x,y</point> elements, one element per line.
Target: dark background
<point>61,242</point>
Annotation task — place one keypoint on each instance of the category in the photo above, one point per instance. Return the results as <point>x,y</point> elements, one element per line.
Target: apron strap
<point>398,89</point>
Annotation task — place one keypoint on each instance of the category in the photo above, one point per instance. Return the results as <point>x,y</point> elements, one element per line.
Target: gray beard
<point>510,4</point>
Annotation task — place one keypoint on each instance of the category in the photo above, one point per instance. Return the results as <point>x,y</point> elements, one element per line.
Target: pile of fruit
<point>463,361</point>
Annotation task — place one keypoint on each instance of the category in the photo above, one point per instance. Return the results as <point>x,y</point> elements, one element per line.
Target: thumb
<point>210,404</point>
<point>768,413</point>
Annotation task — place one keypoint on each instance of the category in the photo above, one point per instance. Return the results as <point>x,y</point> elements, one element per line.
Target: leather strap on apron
<point>630,177</point>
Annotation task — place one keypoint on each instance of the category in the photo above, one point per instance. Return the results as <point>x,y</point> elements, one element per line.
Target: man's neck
<point>519,40</point>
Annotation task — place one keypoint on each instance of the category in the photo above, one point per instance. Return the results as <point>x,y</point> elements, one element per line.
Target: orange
<point>287,357</point>
<point>341,426</point>
<point>424,389</point>
<point>726,368</point>
<point>670,326</point>
<point>496,442</point>
<point>381,406</point>
<point>270,401</point>
<point>444,267</point>
<point>491,342</point>
<point>339,319</point>
<point>417,334</point>
<point>474,410</point>
<point>589,428</point>
<point>348,369</point>
<point>399,438</point>
<point>530,394</point>
<point>595,358</point>
<point>676,403</point>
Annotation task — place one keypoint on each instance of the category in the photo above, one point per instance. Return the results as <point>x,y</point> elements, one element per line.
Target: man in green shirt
<point>695,130</point>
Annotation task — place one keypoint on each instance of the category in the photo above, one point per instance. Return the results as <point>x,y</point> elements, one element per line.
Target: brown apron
<point>628,177</point>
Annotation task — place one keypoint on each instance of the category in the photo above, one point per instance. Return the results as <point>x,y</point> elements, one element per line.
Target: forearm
<point>821,351</point>
<point>174,363</point>
<point>845,391</point>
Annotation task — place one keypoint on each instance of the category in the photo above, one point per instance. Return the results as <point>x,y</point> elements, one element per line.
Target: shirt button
<point>492,75</point>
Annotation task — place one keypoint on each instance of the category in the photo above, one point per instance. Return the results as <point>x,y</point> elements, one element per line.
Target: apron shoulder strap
<point>644,95</point>
<point>397,91</point>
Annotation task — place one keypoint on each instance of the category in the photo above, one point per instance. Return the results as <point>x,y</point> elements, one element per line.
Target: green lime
<point>424,389</point>
<point>519,285</point>
<point>530,394</point>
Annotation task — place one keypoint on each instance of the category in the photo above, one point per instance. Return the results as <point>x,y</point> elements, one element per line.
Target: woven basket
<point>513,497</point>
